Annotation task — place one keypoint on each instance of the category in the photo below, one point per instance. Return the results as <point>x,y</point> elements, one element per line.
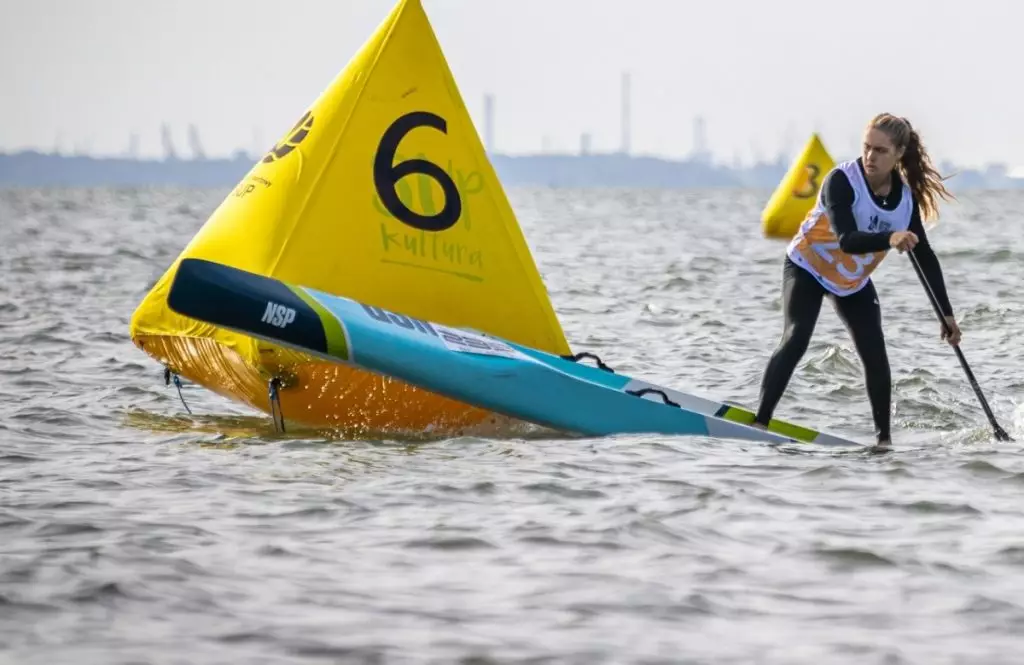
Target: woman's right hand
<point>903,241</point>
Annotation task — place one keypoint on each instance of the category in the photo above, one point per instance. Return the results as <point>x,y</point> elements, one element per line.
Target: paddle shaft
<point>1000,433</point>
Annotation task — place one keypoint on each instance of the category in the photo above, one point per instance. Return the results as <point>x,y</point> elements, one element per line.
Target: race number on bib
<point>860,261</point>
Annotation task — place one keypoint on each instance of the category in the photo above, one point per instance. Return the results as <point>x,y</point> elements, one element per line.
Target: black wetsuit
<point>860,311</point>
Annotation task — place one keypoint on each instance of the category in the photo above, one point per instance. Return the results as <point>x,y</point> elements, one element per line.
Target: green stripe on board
<point>334,331</point>
<point>742,416</point>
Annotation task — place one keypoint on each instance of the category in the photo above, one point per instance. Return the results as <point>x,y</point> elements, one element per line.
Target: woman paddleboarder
<point>866,207</point>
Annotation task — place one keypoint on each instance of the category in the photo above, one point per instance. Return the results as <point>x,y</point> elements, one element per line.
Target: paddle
<point>1000,433</point>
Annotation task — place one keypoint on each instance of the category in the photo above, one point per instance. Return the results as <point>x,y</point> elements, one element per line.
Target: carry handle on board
<point>592,356</point>
<point>653,391</point>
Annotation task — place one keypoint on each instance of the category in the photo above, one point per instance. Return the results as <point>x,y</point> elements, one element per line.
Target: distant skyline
<point>88,74</point>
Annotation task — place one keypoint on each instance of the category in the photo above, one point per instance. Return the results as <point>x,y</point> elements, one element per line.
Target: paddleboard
<point>563,393</point>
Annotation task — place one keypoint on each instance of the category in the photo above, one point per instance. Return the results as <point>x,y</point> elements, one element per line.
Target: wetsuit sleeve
<point>929,263</point>
<point>837,195</point>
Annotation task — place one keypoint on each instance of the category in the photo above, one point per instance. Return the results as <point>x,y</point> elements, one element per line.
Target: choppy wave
<point>132,531</point>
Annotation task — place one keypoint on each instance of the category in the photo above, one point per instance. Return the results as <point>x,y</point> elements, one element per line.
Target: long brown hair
<point>915,165</point>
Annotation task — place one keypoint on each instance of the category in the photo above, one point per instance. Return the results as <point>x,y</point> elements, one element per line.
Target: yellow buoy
<point>797,192</point>
<point>381,192</point>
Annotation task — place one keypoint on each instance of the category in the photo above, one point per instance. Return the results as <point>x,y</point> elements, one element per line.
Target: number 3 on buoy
<point>811,188</point>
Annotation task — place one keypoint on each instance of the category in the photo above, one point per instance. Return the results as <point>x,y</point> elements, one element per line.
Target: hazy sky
<point>764,73</point>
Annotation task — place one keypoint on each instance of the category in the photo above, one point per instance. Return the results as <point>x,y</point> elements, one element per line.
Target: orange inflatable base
<point>322,395</point>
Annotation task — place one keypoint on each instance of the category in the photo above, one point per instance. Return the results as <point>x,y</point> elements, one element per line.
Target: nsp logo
<point>278,315</point>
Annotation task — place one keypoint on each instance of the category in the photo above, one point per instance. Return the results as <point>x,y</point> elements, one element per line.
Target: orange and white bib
<point>816,248</point>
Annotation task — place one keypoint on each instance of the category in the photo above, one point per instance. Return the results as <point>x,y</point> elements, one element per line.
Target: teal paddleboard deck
<point>565,394</point>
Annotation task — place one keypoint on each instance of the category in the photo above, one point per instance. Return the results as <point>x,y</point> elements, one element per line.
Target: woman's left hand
<point>953,337</point>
